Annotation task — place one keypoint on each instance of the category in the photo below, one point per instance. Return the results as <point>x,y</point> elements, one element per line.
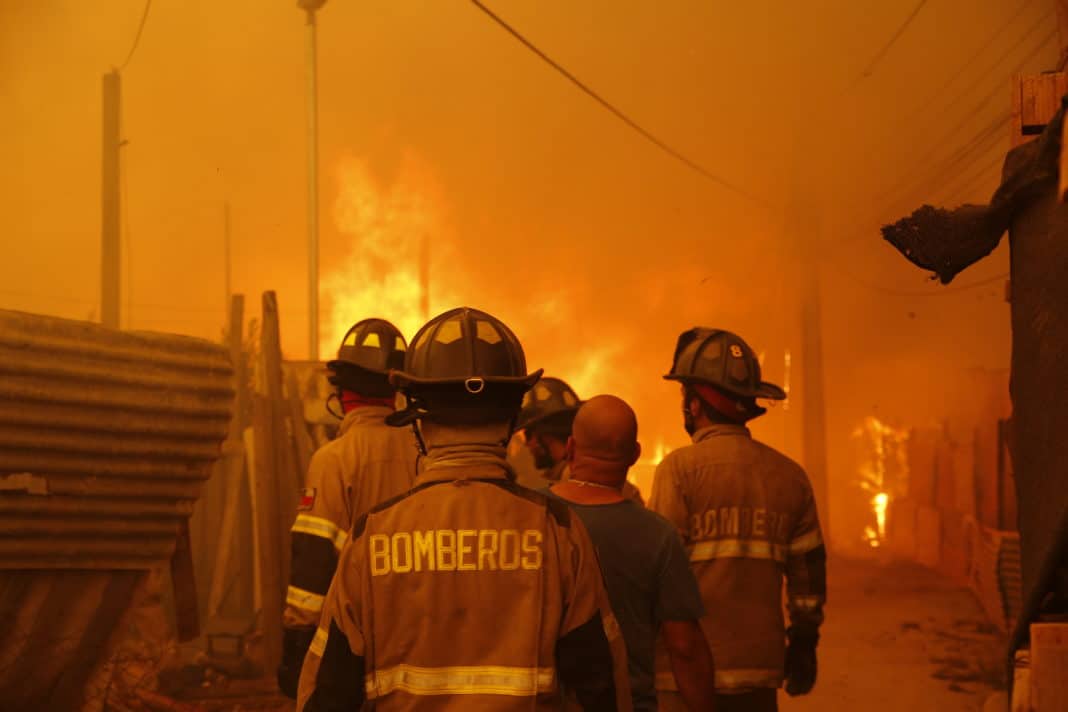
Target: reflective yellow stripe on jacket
<point>305,600</point>
<point>806,543</point>
<point>737,549</point>
<point>324,528</point>
<point>471,680</point>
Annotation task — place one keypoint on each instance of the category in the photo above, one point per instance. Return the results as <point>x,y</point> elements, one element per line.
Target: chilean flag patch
<point>307,499</point>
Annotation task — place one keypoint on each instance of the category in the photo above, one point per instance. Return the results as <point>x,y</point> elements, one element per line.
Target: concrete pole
<point>424,276</point>
<point>110,250</point>
<point>227,268</point>
<point>313,179</point>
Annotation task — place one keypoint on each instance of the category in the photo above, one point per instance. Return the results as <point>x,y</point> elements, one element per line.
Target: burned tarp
<point>1026,205</point>
<point>948,241</point>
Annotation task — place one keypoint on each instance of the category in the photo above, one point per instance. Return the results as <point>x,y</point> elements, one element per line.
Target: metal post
<point>313,184</point>
<point>424,277</point>
<point>228,270</point>
<point>110,251</point>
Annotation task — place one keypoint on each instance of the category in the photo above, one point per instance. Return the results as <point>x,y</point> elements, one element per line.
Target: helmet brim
<point>522,424</point>
<point>401,380</point>
<point>765,390</point>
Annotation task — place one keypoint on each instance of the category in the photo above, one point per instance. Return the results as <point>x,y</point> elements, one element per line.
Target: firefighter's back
<point>747,502</point>
<point>444,561</point>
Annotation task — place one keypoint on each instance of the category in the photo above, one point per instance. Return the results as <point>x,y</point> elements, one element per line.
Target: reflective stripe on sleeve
<point>726,680</point>
<point>806,603</point>
<point>806,542</point>
<point>318,644</point>
<point>304,600</point>
<point>317,526</point>
<point>737,549</point>
<point>471,680</point>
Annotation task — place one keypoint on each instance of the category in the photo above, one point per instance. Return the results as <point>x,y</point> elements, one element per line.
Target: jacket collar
<point>464,462</point>
<point>364,415</point>
<point>717,429</point>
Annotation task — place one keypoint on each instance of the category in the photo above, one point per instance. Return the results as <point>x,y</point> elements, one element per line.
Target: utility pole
<point>813,401</point>
<point>424,276</point>
<point>110,251</point>
<point>310,7</point>
<point>228,271</point>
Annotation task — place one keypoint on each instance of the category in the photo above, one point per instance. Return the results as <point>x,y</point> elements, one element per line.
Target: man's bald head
<point>605,435</point>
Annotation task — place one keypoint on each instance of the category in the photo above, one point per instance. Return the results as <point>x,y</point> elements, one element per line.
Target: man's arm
<point>591,657</point>
<point>691,661</point>
<point>806,589</point>
<point>678,610</point>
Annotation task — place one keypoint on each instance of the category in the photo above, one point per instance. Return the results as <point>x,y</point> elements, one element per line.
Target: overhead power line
<point>999,31</point>
<point>944,292</point>
<point>137,37</point>
<point>913,181</point>
<point>870,68</point>
<point>619,114</point>
<point>973,181</point>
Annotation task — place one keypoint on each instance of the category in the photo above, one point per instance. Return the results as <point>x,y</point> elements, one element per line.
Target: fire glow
<point>383,273</point>
<point>883,472</point>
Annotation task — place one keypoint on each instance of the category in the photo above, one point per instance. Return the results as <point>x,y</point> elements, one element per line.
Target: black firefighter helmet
<point>370,350</point>
<point>718,358</point>
<point>465,367</point>
<point>550,407</point>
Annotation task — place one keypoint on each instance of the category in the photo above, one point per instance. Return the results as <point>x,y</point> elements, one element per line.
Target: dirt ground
<point>898,638</point>
<point>901,637</point>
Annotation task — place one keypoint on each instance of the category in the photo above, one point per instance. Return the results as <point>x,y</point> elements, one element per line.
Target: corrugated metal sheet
<point>105,440</point>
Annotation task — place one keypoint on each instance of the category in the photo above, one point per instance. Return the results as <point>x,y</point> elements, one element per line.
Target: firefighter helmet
<point>551,405</point>
<point>721,359</point>
<point>369,351</point>
<point>464,367</point>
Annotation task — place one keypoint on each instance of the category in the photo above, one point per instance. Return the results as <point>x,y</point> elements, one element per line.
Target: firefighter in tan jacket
<point>468,592</point>
<point>368,463</point>
<point>748,517</point>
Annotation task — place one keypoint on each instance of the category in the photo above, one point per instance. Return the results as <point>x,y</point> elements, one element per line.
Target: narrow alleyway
<point>902,638</point>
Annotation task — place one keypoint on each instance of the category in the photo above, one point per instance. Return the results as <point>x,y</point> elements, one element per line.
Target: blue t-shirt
<point>649,581</point>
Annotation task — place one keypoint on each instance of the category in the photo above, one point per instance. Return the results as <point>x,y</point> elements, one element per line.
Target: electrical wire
<point>870,68</point>
<point>945,292</point>
<point>137,37</point>
<point>973,181</point>
<point>92,302</point>
<point>977,148</point>
<point>619,114</point>
<point>998,32</point>
<point>944,139</point>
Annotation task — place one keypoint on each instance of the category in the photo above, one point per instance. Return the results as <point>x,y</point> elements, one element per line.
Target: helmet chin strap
<point>335,396</point>
<point>419,441</point>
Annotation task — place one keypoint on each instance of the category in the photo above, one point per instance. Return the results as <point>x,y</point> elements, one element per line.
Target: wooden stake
<point>185,587</point>
<point>301,439</point>
<point>1062,186</point>
<point>268,437</point>
<point>233,467</point>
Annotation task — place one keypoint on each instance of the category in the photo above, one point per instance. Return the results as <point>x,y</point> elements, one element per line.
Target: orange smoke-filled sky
<point>597,247</point>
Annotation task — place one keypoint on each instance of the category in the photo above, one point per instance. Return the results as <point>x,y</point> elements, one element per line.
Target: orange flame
<point>380,276</point>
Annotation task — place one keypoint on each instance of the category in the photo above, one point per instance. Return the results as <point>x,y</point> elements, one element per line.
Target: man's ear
<point>637,453</point>
<point>693,404</point>
<point>569,449</point>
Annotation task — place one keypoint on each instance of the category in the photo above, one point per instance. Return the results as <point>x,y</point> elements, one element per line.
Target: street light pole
<point>310,7</point>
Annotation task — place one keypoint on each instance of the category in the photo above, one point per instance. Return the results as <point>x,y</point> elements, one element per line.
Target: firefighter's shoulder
<point>781,465</point>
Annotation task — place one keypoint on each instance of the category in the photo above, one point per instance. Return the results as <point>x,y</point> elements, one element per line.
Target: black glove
<point>295,644</point>
<point>800,665</point>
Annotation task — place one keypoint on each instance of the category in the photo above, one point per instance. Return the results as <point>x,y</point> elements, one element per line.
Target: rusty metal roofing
<point>105,440</point>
